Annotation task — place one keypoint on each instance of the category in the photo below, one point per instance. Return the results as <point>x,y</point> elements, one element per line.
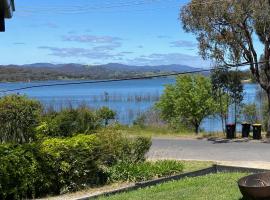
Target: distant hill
<point>48,71</point>
<point>159,68</point>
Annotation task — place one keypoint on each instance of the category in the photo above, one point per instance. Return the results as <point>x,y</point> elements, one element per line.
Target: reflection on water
<point>128,98</point>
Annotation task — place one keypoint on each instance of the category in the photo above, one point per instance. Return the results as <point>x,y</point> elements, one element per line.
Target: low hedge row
<point>143,171</point>
<point>58,165</point>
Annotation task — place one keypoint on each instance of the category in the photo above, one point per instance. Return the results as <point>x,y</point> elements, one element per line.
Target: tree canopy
<point>189,99</point>
<point>227,31</point>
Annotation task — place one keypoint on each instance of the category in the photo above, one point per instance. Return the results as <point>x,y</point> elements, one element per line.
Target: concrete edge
<point>202,172</point>
<point>230,169</point>
<point>211,170</point>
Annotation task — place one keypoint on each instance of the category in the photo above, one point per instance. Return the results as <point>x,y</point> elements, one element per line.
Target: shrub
<point>18,118</point>
<point>57,165</point>
<point>250,114</point>
<point>19,171</point>
<point>143,171</point>
<point>73,163</point>
<point>106,115</point>
<point>70,121</point>
<point>118,148</point>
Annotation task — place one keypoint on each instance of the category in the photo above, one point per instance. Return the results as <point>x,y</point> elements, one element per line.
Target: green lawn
<point>221,186</point>
<point>190,166</point>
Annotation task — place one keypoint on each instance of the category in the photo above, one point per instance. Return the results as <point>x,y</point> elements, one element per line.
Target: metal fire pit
<point>256,186</point>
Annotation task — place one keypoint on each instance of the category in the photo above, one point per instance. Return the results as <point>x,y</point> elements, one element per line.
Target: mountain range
<point>116,66</point>
<point>49,71</point>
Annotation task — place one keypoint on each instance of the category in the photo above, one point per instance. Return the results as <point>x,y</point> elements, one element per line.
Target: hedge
<point>58,165</point>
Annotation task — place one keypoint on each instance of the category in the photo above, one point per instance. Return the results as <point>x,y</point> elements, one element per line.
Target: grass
<point>154,131</point>
<point>165,132</point>
<point>190,166</point>
<point>136,172</point>
<point>221,186</point>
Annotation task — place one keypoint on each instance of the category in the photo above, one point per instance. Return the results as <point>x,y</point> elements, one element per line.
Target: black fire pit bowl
<point>256,186</point>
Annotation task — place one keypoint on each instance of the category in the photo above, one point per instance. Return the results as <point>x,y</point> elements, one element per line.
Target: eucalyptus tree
<point>227,90</point>
<point>227,31</point>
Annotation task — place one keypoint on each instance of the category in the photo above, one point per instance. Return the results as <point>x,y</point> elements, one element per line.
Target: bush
<point>58,165</point>
<point>70,121</point>
<point>106,115</point>
<point>19,171</point>
<point>250,114</point>
<point>118,148</point>
<point>143,171</point>
<point>18,118</point>
<point>72,163</point>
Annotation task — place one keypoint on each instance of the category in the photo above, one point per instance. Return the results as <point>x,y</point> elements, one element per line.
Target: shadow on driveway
<point>222,140</point>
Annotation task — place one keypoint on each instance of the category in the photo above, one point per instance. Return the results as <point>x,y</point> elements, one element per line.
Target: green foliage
<point>72,163</point>
<point>58,165</point>
<point>188,100</point>
<point>118,148</point>
<point>70,121</point>
<point>227,90</point>
<point>106,114</point>
<point>19,171</point>
<point>226,32</point>
<point>18,118</point>
<point>130,172</point>
<point>140,121</point>
<point>249,112</point>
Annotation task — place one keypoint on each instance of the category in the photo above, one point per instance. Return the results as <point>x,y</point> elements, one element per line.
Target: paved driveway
<point>223,150</point>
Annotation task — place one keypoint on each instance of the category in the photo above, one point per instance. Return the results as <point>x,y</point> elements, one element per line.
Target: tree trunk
<point>197,128</point>
<point>221,112</point>
<point>268,122</point>
<point>235,112</point>
<point>223,125</point>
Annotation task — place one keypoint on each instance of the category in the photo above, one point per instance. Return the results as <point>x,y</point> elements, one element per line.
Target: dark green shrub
<point>18,118</point>
<point>143,171</point>
<point>57,165</point>
<point>19,171</point>
<point>69,122</point>
<point>72,163</point>
<point>106,114</point>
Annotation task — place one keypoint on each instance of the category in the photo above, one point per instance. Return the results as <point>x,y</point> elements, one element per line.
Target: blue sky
<point>137,32</point>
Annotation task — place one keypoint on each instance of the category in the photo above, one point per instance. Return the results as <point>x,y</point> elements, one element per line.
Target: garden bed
<point>188,166</point>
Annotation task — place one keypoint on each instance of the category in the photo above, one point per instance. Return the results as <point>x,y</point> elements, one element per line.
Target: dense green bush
<point>73,163</point>
<point>18,118</point>
<point>143,171</point>
<point>72,121</point>
<point>58,165</point>
<point>118,148</point>
<point>19,171</point>
<point>69,122</point>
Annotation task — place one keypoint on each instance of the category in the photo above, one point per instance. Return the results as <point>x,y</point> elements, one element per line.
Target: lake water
<point>128,98</point>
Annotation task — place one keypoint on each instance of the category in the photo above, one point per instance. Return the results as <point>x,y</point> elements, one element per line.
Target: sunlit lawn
<point>221,186</point>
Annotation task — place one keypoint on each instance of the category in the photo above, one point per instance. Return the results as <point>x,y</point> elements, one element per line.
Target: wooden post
<point>2,18</point>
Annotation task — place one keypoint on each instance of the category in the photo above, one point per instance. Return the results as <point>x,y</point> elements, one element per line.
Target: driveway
<point>210,150</point>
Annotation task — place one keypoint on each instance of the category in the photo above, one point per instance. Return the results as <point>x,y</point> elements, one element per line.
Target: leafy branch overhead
<point>227,31</point>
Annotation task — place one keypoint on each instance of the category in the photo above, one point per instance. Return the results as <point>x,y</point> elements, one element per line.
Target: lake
<point>128,98</point>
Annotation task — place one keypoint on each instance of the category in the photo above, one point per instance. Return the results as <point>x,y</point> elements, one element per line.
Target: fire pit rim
<point>251,175</point>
